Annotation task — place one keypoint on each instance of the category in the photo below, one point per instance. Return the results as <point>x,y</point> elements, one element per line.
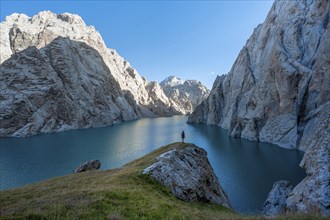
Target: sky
<point>189,39</point>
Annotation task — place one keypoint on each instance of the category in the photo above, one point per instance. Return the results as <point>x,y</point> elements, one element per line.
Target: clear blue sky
<point>189,39</point>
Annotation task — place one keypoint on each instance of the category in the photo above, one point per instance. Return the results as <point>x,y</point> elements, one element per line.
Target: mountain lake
<point>246,169</point>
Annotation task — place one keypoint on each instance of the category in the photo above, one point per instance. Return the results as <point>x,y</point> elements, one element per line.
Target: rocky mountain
<point>186,94</point>
<point>42,90</point>
<point>278,91</point>
<point>57,74</point>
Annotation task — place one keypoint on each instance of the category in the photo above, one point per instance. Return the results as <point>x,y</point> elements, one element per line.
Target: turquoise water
<point>246,170</point>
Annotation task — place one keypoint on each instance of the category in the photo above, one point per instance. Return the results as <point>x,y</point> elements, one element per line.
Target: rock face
<point>276,201</point>
<point>148,95</point>
<point>57,74</point>
<point>278,91</point>
<point>186,94</point>
<point>189,175</point>
<point>312,194</point>
<point>279,83</point>
<point>159,103</point>
<point>88,165</point>
<point>42,91</point>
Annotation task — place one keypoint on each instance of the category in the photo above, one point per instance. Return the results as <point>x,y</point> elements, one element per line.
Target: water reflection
<point>246,169</point>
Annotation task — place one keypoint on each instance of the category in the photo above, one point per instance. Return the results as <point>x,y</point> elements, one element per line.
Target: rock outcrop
<point>276,201</point>
<point>278,91</point>
<point>187,94</point>
<point>189,175</point>
<point>88,165</point>
<point>57,74</point>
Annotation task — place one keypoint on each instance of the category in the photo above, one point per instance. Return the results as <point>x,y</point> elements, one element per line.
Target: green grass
<point>123,193</point>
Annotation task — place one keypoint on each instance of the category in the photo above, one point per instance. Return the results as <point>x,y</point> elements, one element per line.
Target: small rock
<point>276,200</point>
<point>189,175</point>
<point>88,165</point>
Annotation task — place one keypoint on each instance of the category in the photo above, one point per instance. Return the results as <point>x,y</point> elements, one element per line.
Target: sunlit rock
<point>57,74</point>
<point>278,92</point>
<point>186,94</point>
<point>189,175</point>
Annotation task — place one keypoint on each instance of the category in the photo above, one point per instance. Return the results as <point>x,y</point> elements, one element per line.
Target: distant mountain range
<point>186,94</point>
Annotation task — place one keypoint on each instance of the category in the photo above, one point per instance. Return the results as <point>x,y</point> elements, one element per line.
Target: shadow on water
<point>246,170</point>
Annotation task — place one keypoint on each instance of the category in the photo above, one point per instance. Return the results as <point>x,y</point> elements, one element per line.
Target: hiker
<point>183,136</point>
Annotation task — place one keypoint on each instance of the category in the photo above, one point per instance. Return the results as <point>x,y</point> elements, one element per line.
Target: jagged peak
<point>70,18</point>
<point>46,16</point>
<point>171,77</point>
<point>193,82</point>
<point>65,17</point>
<point>172,81</point>
<point>15,17</point>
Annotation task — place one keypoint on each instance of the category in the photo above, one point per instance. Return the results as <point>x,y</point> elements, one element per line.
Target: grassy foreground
<point>123,193</point>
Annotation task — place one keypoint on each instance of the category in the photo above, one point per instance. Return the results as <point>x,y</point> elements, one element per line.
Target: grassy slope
<point>122,193</point>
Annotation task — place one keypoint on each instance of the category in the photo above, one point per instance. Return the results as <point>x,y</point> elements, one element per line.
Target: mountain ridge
<point>187,94</point>
<point>277,91</point>
<point>92,62</point>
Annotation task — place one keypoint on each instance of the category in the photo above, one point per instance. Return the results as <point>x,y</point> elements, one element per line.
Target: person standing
<point>183,135</point>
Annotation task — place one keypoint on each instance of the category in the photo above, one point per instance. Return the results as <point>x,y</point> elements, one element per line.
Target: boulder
<point>189,175</point>
<point>276,200</point>
<point>88,165</point>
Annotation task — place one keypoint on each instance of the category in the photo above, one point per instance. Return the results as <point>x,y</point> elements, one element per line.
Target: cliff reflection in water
<point>246,169</point>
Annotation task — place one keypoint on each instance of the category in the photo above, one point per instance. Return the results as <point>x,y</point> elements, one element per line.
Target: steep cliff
<point>278,91</point>
<point>19,32</point>
<point>57,74</point>
<point>62,86</point>
<point>187,94</point>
